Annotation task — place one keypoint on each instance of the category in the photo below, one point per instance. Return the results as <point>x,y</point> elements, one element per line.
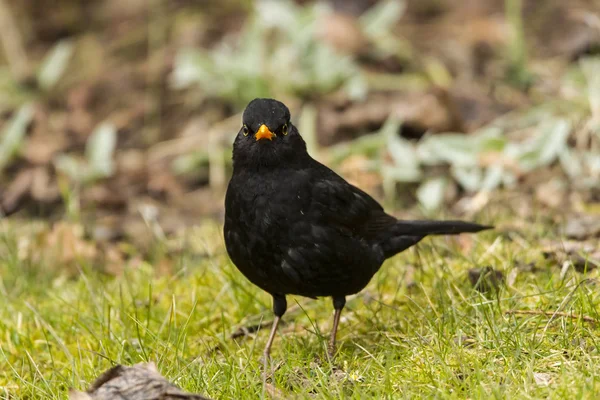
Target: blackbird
<point>293,226</point>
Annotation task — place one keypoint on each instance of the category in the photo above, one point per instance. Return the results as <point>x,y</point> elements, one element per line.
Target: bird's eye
<point>245,130</point>
<point>284,129</point>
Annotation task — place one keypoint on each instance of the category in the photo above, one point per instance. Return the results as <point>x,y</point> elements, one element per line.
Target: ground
<point>419,329</point>
<point>116,123</point>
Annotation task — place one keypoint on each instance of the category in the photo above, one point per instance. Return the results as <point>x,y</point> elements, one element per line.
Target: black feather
<point>426,227</point>
<point>293,226</point>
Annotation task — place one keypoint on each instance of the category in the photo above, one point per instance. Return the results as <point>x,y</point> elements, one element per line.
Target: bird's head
<point>267,137</point>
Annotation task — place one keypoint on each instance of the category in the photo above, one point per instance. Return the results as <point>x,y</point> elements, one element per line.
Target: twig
<point>552,314</point>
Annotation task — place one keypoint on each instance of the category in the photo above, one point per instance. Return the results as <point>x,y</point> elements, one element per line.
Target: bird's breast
<point>263,207</point>
<point>260,218</point>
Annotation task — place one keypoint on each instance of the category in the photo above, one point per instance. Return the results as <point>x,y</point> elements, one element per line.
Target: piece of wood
<point>140,382</point>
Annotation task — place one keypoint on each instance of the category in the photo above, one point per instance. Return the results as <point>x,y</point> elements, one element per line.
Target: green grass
<point>435,338</point>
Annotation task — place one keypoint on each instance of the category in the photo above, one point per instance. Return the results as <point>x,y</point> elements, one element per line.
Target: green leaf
<point>468,177</point>
<point>403,153</point>
<point>492,178</point>
<point>381,18</point>
<point>55,64</point>
<point>570,163</point>
<point>404,175</point>
<point>276,14</point>
<point>452,148</point>
<point>279,36</point>
<point>77,170</point>
<point>356,87</point>
<point>431,193</point>
<point>545,148</point>
<point>190,67</point>
<point>592,160</point>
<point>554,140</point>
<point>13,134</point>
<point>368,145</point>
<point>99,150</point>
<point>590,67</point>
<point>189,163</point>
<point>508,178</point>
<point>489,139</point>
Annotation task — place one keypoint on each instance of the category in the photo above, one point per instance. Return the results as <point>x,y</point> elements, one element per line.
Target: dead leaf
<point>111,260</point>
<point>584,256</point>
<point>542,378</point>
<point>486,279</point>
<point>107,228</point>
<point>163,183</point>
<point>583,226</point>
<point>551,193</point>
<point>465,341</point>
<point>140,382</point>
<point>512,277</point>
<point>102,195</point>
<point>46,140</point>
<point>434,111</point>
<point>17,191</point>
<point>44,187</point>
<point>68,244</point>
<point>342,32</point>
<point>356,169</point>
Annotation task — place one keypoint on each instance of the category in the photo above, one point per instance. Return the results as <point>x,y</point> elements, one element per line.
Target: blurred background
<point>117,117</point>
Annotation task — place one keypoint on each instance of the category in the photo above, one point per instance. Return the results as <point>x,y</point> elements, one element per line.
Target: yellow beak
<point>263,133</point>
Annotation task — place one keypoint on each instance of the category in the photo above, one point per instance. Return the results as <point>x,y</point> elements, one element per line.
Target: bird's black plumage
<point>293,226</point>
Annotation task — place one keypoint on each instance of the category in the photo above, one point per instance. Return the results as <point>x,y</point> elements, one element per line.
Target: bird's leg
<point>338,305</point>
<point>279,307</point>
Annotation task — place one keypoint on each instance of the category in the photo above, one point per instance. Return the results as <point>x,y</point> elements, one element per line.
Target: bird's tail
<point>405,234</point>
<point>436,227</point>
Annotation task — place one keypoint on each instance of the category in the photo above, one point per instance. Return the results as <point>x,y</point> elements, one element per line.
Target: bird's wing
<point>331,250</point>
<point>337,202</point>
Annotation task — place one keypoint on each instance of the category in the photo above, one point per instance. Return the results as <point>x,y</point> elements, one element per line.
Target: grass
<point>434,338</point>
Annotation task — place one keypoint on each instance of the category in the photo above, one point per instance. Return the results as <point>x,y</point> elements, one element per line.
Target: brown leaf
<point>67,244</point>
<point>163,183</point>
<point>542,378</point>
<point>434,110</point>
<point>43,145</point>
<point>107,228</point>
<point>356,169</point>
<point>44,187</point>
<point>486,279</point>
<point>465,341</point>
<point>17,191</point>
<point>551,193</point>
<point>583,226</point>
<point>104,196</point>
<point>342,32</point>
<point>584,256</point>
<point>111,260</point>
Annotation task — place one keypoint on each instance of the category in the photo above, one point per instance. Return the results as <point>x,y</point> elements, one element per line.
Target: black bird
<point>293,226</point>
